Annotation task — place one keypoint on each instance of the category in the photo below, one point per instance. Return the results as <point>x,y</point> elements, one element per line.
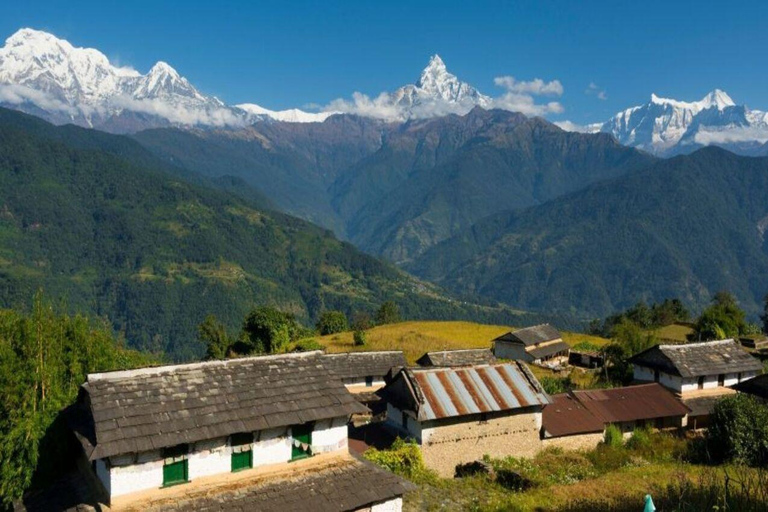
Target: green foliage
<point>556,385</point>
<point>215,337</point>
<point>738,430</point>
<point>44,357</point>
<point>307,345</point>
<point>402,458</point>
<point>586,346</point>
<point>613,437</point>
<point>267,330</point>
<point>360,338</point>
<point>361,321</point>
<point>640,440</point>
<point>332,322</point>
<point>388,313</point>
<point>722,319</point>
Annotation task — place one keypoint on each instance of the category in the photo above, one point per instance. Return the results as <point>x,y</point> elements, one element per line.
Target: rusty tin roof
<point>452,392</point>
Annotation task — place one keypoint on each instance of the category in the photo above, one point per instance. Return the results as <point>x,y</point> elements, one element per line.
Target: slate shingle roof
<point>531,335</point>
<point>698,359</point>
<point>359,365</point>
<point>548,350</point>
<point>141,410</point>
<point>457,357</point>
<point>350,485</point>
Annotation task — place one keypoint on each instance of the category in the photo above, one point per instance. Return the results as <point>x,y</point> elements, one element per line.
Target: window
<point>176,466</point>
<point>739,377</point>
<point>302,441</point>
<point>721,380</point>
<point>242,454</point>
<point>368,381</point>
<point>701,382</point>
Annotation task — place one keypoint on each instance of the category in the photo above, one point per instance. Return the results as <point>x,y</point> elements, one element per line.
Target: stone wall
<point>395,505</point>
<point>578,442</point>
<point>506,350</point>
<point>446,444</point>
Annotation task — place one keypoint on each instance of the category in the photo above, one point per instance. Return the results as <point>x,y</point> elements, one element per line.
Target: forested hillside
<point>686,227</point>
<point>396,189</point>
<point>121,237</point>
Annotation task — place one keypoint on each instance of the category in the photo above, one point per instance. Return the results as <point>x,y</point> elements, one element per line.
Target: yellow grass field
<point>416,338</point>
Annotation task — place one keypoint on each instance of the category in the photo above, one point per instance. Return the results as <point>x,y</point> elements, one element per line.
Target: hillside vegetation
<point>686,227</point>
<point>417,337</point>
<point>97,222</point>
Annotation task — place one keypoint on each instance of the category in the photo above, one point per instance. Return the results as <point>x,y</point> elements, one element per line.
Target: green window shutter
<point>242,460</point>
<point>175,473</point>
<point>301,434</point>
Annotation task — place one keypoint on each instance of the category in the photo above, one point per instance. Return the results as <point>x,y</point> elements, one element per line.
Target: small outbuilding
<point>465,357</point>
<point>540,344</point>
<point>459,414</point>
<point>364,372</point>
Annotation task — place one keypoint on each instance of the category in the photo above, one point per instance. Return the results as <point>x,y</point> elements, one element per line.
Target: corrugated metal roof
<point>566,416</point>
<point>643,402</point>
<point>450,392</point>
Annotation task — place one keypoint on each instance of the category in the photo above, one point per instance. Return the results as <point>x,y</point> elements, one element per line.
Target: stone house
<point>699,372</point>
<point>540,344</point>
<point>241,432</point>
<point>459,414</point>
<point>464,357</point>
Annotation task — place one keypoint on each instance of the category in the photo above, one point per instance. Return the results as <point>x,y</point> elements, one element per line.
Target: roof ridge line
<point>698,343</point>
<point>154,370</point>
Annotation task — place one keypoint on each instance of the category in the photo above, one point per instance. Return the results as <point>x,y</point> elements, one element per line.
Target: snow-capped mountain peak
<point>667,126</point>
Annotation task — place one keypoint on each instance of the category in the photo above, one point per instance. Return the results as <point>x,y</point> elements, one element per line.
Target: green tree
<point>267,330</point>
<point>388,313</point>
<point>44,357</point>
<point>331,322</point>
<point>722,319</point>
<point>214,334</point>
<point>738,430</point>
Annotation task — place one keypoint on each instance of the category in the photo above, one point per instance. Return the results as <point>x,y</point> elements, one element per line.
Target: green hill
<point>98,222</point>
<point>686,227</point>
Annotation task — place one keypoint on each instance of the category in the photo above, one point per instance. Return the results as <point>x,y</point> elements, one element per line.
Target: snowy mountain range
<point>667,127</point>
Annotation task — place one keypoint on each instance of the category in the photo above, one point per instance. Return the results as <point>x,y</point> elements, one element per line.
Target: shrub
<point>402,458</point>
<point>606,458</point>
<point>613,436</point>
<point>331,322</point>
<point>739,430</point>
<point>640,440</point>
<point>388,313</point>
<point>307,345</point>
<point>556,385</point>
<point>360,338</point>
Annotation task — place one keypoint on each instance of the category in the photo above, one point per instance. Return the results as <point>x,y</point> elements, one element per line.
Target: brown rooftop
<point>566,416</point>
<point>632,403</point>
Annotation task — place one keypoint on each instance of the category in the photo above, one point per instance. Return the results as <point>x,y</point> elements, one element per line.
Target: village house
<point>573,418</point>
<point>464,357</point>
<point>586,358</point>
<point>699,372</point>
<point>364,372</point>
<point>257,433</point>
<point>540,344</point>
<point>459,414</point>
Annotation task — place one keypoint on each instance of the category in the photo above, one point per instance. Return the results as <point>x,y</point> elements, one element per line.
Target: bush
<point>360,338</point>
<point>640,440</point>
<point>331,322</point>
<point>739,430</point>
<point>556,385</point>
<point>403,458</point>
<point>388,313</point>
<point>606,458</point>
<point>613,436</point>
<point>308,345</point>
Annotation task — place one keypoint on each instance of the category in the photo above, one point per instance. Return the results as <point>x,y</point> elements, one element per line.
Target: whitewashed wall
<point>129,475</point>
<point>395,422</point>
<point>329,436</point>
<point>133,473</point>
<point>210,458</point>
<point>688,385</point>
<point>395,505</point>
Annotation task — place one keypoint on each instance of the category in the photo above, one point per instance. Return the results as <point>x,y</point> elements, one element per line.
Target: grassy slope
<point>416,338</point>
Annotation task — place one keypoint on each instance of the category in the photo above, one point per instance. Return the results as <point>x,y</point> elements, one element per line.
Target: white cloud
<point>180,114</point>
<point>19,94</point>
<point>594,90</point>
<point>570,126</point>
<point>733,134</point>
<point>537,86</point>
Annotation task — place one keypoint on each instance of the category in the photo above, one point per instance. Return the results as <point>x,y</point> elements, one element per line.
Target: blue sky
<point>285,54</point>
